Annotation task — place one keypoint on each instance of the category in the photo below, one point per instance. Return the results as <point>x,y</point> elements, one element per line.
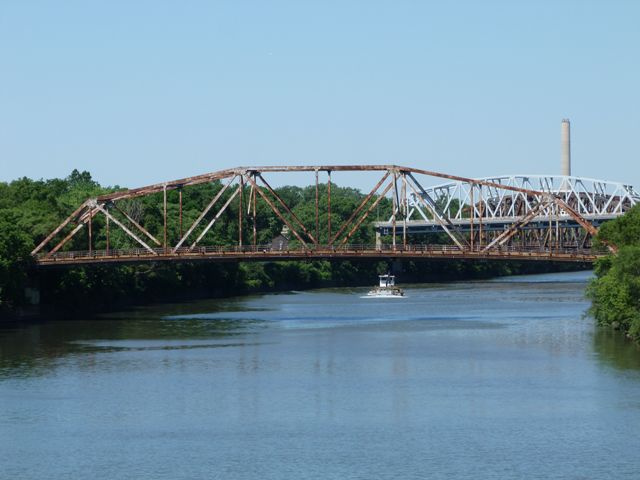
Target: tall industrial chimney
<point>565,140</point>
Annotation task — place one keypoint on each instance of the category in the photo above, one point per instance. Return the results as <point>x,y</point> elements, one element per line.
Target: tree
<point>615,292</point>
<point>15,259</point>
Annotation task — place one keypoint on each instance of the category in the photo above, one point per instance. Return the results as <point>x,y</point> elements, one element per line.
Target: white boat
<point>386,289</point>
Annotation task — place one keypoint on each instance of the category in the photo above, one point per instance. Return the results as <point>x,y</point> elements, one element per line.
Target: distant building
<point>281,242</point>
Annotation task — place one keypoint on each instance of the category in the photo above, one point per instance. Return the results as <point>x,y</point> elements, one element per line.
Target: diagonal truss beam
<point>123,227</point>
<point>82,221</point>
<point>140,227</point>
<point>216,217</point>
<point>359,208</point>
<point>286,207</point>
<point>513,229</point>
<point>204,212</point>
<point>366,214</point>
<point>275,210</point>
<point>445,223</point>
<point>60,227</point>
<point>425,198</point>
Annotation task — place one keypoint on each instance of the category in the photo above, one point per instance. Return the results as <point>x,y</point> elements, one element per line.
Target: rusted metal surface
<point>180,209</point>
<point>317,212</point>
<point>255,217</point>
<point>90,232</point>
<point>472,215</point>
<point>511,231</point>
<point>137,225</point>
<point>215,218</point>
<point>348,251</point>
<point>358,209</point>
<point>164,209</point>
<point>464,241</point>
<point>287,208</point>
<point>437,217</point>
<point>49,237</point>
<point>66,239</point>
<point>394,209</point>
<point>123,227</point>
<point>203,213</point>
<point>366,214</point>
<point>404,210</point>
<point>329,205</point>
<point>277,212</point>
<point>240,212</point>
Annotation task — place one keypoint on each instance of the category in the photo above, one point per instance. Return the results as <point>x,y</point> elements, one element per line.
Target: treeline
<point>615,292</point>
<point>30,209</point>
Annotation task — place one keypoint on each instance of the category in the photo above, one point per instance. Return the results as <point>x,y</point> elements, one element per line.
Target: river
<point>473,380</point>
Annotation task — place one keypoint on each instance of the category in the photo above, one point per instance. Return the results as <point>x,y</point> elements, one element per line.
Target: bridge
<point>523,217</point>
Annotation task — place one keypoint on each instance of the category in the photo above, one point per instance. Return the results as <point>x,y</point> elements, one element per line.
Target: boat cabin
<point>387,280</point>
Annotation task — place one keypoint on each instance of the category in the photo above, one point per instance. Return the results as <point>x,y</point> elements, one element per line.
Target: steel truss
<point>467,223</point>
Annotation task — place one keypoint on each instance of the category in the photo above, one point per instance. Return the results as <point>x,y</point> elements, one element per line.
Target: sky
<point>139,92</point>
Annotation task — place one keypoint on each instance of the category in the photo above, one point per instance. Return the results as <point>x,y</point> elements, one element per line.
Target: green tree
<point>615,292</point>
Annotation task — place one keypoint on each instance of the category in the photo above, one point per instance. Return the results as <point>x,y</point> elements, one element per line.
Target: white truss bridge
<point>461,203</point>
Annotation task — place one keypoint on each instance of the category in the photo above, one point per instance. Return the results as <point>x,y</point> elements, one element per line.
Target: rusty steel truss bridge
<point>521,217</point>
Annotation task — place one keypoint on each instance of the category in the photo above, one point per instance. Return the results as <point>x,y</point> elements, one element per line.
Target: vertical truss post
<point>550,229</point>
<point>317,210</point>
<point>90,232</point>
<point>240,207</point>
<point>404,210</point>
<point>108,236</point>
<point>471,217</point>
<point>66,239</point>
<point>394,207</point>
<point>123,227</point>
<point>481,203</point>
<point>180,208</point>
<point>287,209</point>
<point>329,207</point>
<point>277,212</point>
<point>203,213</point>
<point>164,202</point>
<point>140,227</point>
<point>255,226</point>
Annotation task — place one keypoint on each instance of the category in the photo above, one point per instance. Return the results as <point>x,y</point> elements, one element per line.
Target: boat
<point>386,288</point>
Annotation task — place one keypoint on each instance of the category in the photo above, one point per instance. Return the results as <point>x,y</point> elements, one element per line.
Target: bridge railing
<point>251,251</point>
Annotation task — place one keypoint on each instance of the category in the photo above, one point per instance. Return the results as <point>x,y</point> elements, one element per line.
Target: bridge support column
<point>378,240</point>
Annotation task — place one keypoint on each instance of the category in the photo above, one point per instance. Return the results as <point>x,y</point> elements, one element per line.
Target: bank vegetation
<point>615,291</point>
<point>30,209</point>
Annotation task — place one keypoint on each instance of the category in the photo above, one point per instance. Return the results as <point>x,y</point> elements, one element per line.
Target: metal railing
<point>316,250</point>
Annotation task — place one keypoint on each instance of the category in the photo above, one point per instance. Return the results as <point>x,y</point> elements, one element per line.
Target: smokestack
<point>565,140</point>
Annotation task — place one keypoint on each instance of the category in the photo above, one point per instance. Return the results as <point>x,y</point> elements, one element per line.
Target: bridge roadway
<point>320,252</point>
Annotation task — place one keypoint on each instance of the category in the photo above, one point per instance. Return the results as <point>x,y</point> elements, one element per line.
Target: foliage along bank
<point>615,291</point>
<point>30,209</point>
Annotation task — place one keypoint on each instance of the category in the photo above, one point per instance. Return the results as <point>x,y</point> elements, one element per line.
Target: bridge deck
<point>318,252</point>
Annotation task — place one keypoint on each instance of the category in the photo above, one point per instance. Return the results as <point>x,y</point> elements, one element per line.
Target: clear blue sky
<point>144,91</point>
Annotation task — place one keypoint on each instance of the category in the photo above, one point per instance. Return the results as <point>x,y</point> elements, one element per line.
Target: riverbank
<point>615,292</point>
<point>84,291</point>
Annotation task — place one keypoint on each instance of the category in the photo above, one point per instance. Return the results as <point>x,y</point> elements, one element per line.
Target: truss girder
<point>517,201</point>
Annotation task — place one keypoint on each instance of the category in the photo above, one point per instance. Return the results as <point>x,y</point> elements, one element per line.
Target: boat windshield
<point>387,280</point>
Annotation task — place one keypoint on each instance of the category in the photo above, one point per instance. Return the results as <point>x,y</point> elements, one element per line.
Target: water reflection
<point>502,379</point>
<point>615,350</point>
<point>35,349</point>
